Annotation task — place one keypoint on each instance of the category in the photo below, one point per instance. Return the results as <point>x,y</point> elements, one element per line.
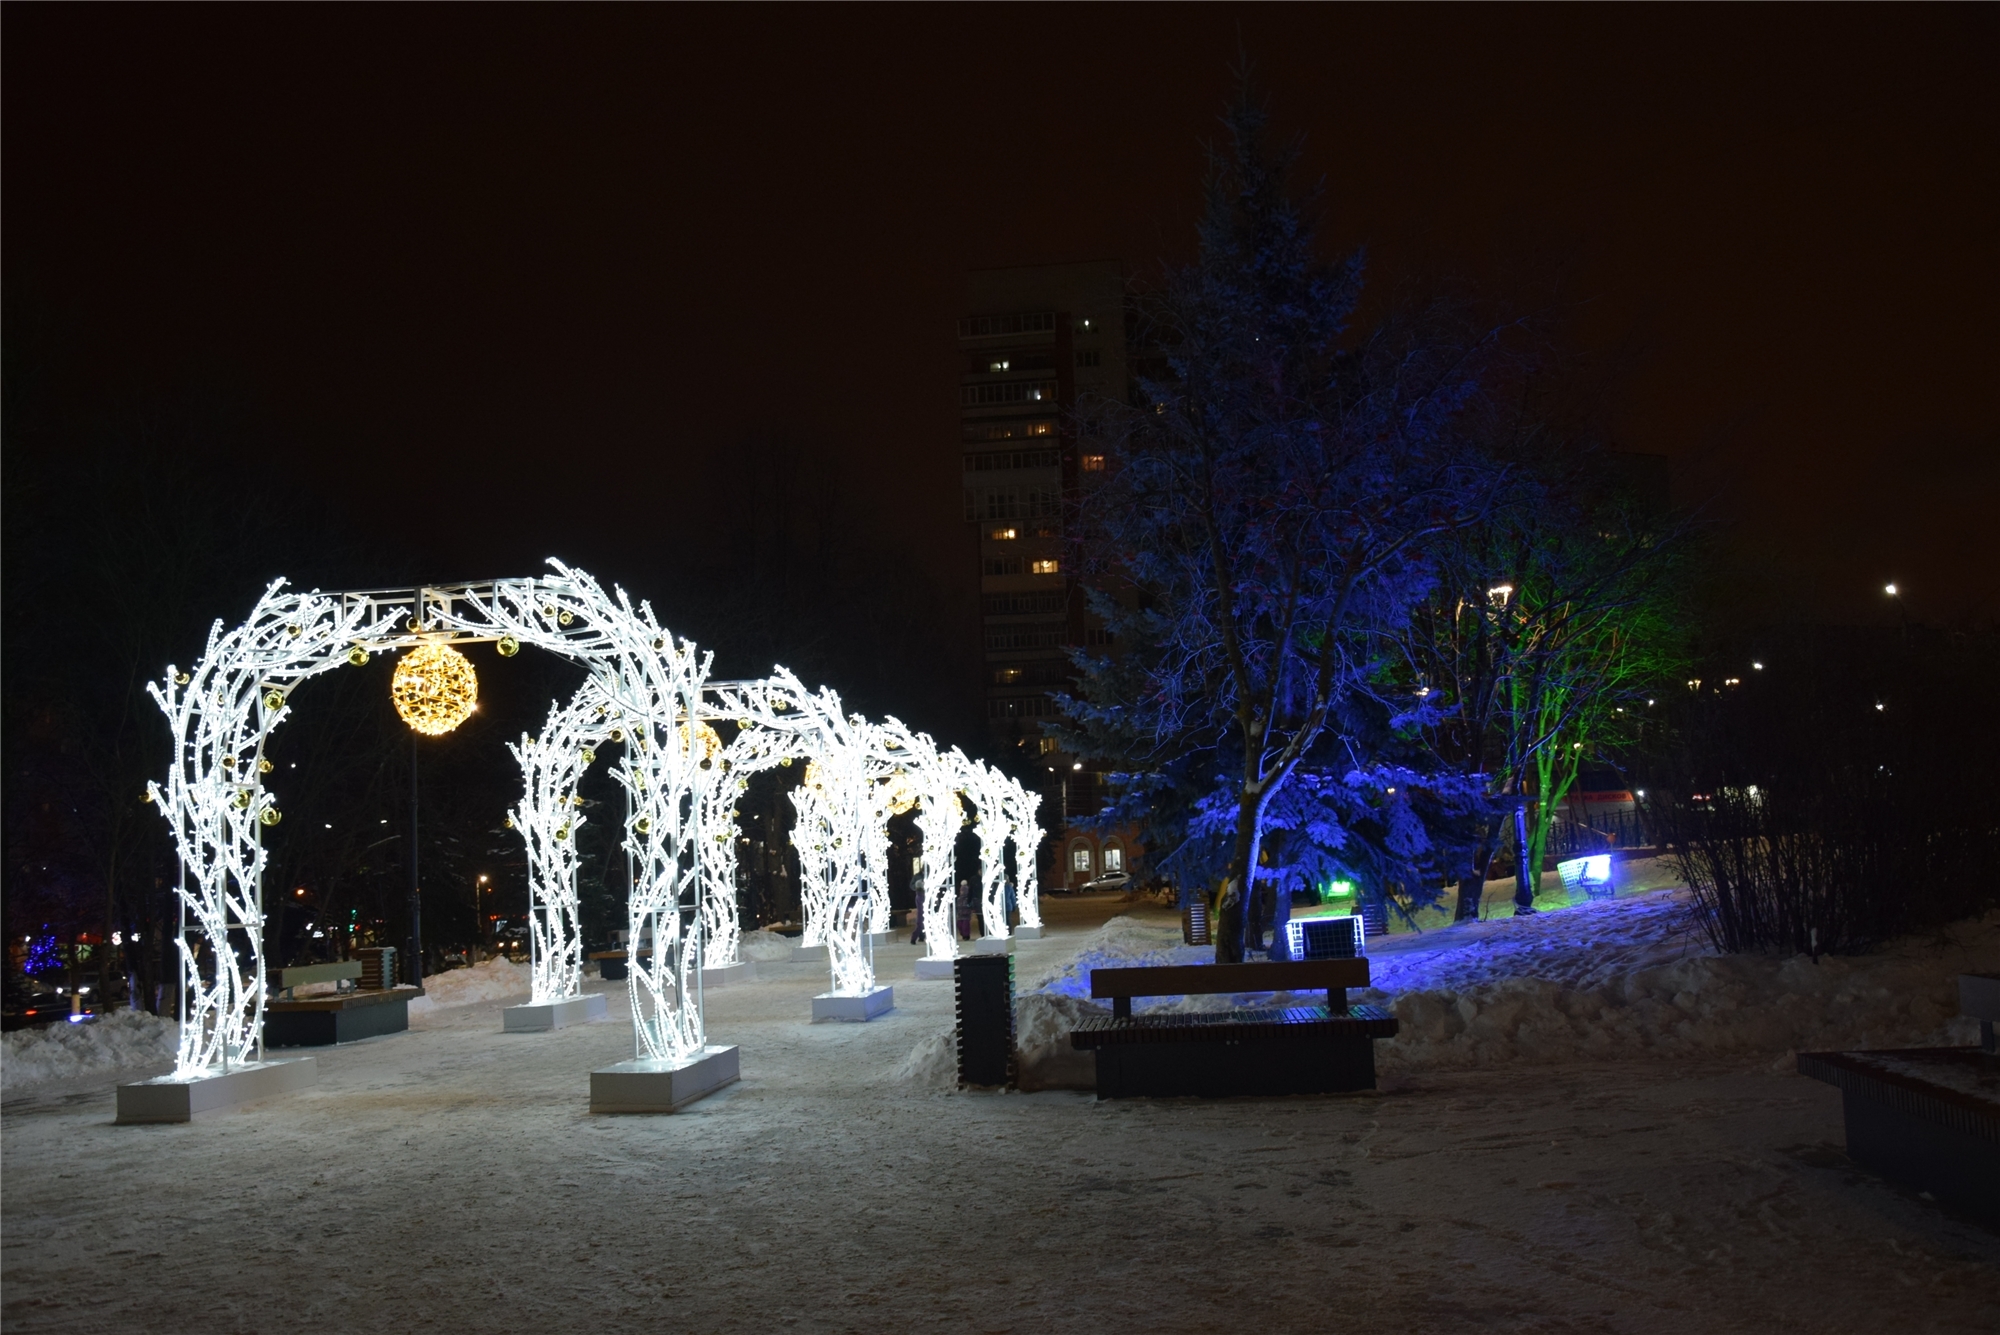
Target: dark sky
<point>484,270</point>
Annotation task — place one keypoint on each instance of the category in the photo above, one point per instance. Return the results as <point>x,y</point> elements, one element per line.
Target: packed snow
<point>497,979</point>
<point>1641,1196</point>
<point>124,1041</point>
<point>763,946</point>
<point>1617,978</point>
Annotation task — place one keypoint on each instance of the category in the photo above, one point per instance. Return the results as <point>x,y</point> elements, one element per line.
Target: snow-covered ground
<point>451,1178</point>
<point>496,979</point>
<point>1617,978</point>
<point>58,1054</point>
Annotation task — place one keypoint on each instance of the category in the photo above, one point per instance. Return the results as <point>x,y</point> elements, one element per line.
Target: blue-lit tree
<point>1266,512</point>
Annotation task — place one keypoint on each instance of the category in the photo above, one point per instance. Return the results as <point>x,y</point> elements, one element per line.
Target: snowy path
<point>450,1179</point>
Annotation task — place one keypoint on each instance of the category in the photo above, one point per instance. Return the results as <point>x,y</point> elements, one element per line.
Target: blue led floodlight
<point>1326,938</point>
<point>1592,874</point>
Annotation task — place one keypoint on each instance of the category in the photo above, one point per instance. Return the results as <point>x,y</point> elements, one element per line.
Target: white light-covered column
<point>1021,806</point>
<point>550,820</point>
<point>221,713</point>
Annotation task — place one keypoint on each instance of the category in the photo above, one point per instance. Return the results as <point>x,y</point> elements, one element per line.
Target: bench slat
<point>1175,980</point>
<point>1291,1024</point>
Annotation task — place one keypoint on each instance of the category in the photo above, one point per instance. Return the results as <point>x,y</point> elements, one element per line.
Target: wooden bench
<point>615,964</point>
<point>367,1002</point>
<point>1276,1050</point>
<point>299,975</point>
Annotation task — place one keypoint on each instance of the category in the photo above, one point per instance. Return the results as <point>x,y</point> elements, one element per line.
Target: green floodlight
<point>1340,889</point>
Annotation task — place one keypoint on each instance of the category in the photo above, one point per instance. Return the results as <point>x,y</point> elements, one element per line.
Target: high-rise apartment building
<point>1035,342</point>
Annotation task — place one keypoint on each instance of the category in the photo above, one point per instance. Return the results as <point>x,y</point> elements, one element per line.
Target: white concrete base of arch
<point>647,1085</point>
<point>929,968</point>
<point>808,954</point>
<point>539,1019</point>
<point>866,1006</point>
<point>171,1099</point>
<point>1027,933</point>
<point>721,975</point>
<point>993,945</point>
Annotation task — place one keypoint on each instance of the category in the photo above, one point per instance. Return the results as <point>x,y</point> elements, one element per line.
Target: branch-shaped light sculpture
<point>221,712</point>
<point>550,819</point>
<point>779,722</point>
<point>223,709</point>
<point>1020,806</point>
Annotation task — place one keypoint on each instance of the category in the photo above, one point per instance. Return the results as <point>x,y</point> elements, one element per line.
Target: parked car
<point>1111,880</point>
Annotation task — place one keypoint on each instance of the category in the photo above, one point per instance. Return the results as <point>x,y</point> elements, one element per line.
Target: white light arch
<point>223,710</point>
<point>937,778</point>
<point>1020,806</point>
<point>550,819</point>
<point>779,722</point>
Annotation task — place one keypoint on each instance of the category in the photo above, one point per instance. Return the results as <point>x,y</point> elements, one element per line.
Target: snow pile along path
<point>1621,978</point>
<point>489,980</point>
<point>931,1067</point>
<point>122,1040</point>
<point>1602,981</point>
<point>764,946</point>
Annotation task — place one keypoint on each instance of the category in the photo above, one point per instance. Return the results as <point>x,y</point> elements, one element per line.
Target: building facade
<point>1035,343</point>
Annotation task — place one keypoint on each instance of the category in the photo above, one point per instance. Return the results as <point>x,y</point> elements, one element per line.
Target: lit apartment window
<point>1000,365</point>
<point>1079,857</point>
<point>1050,566</point>
<point>1114,858</point>
<point>1045,746</point>
<point>1005,534</point>
<point>1093,463</point>
<point>1007,676</point>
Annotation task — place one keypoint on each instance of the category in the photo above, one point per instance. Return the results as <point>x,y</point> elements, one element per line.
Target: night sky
<point>478,273</point>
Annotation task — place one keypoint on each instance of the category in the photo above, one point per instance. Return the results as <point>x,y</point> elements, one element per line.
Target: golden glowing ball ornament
<point>435,689</point>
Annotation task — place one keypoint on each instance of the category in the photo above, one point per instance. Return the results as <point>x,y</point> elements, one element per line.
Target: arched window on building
<point>1079,856</point>
<point>1114,858</point>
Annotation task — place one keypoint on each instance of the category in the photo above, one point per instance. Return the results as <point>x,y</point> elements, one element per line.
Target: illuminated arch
<point>778,722</point>
<point>1020,806</point>
<point>223,710</point>
<point>549,819</point>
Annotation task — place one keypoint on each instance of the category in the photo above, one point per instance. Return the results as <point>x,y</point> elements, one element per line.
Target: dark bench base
<point>1300,1050</point>
<point>1923,1136</point>
<point>318,1022</point>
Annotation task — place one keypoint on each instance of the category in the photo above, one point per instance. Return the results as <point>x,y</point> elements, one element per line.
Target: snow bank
<point>931,1067</point>
<point>1629,977</point>
<point>496,979</point>
<point>120,1041</point>
<point>1543,1003</point>
<point>764,946</point>
<point>1122,942</point>
<point>1043,1057</point>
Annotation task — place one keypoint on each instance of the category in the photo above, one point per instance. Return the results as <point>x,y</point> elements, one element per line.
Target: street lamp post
<point>479,892</point>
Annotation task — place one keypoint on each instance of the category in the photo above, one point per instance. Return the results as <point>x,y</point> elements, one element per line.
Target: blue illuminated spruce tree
<point>1264,518</point>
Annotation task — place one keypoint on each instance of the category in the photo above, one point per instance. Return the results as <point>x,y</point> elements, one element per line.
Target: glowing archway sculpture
<point>1020,805</point>
<point>988,789</point>
<point>223,710</point>
<point>779,722</point>
<point>550,819</point>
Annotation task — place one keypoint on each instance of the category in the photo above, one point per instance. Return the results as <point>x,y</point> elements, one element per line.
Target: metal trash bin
<point>984,988</point>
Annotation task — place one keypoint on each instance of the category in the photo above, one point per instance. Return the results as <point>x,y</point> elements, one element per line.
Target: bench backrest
<point>298,975</point>
<point>1173,980</point>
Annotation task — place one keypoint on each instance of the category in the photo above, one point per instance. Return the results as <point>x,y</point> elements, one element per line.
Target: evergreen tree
<point>1267,511</point>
